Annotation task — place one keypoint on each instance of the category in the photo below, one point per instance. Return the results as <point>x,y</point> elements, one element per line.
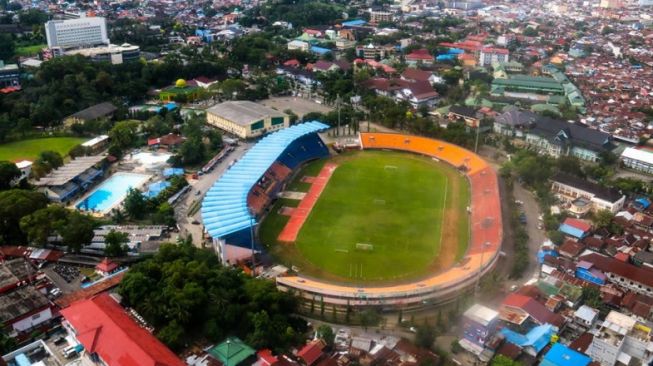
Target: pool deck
<point>118,201</point>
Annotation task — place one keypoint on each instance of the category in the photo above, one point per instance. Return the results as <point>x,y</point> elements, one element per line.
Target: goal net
<point>364,247</point>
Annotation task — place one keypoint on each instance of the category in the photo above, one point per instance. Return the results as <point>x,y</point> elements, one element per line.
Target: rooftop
<point>606,194</point>
<point>95,112</point>
<point>243,112</point>
<point>69,171</point>
<point>104,328</point>
<point>21,301</point>
<point>232,351</point>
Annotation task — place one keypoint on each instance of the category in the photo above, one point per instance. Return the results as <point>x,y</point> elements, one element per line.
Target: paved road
<point>202,185</point>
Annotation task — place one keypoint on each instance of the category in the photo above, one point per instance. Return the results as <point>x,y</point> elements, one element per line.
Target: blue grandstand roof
<point>224,209</point>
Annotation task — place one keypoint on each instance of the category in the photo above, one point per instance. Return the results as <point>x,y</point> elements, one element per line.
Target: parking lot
<point>299,106</point>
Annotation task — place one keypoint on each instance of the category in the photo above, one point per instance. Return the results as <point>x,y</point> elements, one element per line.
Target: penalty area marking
<point>390,167</point>
<point>341,250</point>
<point>379,202</point>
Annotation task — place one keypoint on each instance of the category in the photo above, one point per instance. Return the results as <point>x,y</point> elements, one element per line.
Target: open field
<point>30,149</point>
<point>383,217</point>
<point>30,50</point>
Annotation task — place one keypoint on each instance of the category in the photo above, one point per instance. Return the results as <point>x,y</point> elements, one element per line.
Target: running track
<point>300,214</point>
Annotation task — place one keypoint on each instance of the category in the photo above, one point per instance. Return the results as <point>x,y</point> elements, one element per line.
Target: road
<point>532,210</point>
<point>202,185</point>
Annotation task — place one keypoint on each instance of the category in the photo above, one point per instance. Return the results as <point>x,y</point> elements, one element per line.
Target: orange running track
<point>300,214</point>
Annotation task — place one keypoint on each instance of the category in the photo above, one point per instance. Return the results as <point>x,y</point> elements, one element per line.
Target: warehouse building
<point>246,119</point>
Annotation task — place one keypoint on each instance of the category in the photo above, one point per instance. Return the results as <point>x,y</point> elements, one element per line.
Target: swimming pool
<point>111,192</point>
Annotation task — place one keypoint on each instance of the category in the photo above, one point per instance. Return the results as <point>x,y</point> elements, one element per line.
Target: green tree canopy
<point>185,293</point>
<point>116,243</point>
<point>14,205</point>
<point>8,173</point>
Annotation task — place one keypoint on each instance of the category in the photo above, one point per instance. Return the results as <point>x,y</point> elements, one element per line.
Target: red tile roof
<point>266,357</point>
<point>311,352</point>
<point>607,264</point>
<point>90,291</point>
<point>416,74</point>
<point>104,328</point>
<point>106,265</point>
<point>578,224</point>
<point>536,310</point>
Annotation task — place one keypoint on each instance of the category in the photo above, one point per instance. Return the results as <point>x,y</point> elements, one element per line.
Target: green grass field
<point>408,211</point>
<point>30,149</point>
<point>30,50</point>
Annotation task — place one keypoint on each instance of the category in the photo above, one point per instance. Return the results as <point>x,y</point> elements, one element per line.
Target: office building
<point>82,32</point>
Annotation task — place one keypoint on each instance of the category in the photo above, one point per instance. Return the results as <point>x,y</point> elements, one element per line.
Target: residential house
<point>561,355</point>
<point>421,57</point>
<point>479,325</point>
<point>625,275</point>
<point>417,93</point>
<point>575,228</point>
<point>413,74</point>
<point>466,114</point>
<point>517,308</point>
<point>569,188</point>
<point>372,52</point>
<point>559,138</point>
<point>585,317</point>
<point>312,352</point>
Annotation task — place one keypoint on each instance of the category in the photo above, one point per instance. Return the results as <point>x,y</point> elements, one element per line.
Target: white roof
<point>481,314</point>
<point>586,313</point>
<point>95,140</point>
<point>23,164</point>
<point>638,154</point>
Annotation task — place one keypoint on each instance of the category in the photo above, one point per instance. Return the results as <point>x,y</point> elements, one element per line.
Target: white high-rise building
<point>82,32</point>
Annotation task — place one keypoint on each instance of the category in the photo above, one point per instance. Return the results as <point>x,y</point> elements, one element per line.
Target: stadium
<point>402,221</point>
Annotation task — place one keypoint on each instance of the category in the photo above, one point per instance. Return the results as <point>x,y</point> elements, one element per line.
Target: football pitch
<point>383,217</point>
<point>31,148</point>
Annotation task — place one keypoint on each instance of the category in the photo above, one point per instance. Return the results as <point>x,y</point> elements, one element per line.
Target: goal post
<point>364,247</point>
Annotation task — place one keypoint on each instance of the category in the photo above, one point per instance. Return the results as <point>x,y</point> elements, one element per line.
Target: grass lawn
<point>30,50</point>
<point>30,149</point>
<point>408,208</point>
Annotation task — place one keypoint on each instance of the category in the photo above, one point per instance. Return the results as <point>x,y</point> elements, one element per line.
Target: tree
<point>116,243</point>
<point>135,204</point>
<point>43,223</point>
<point>9,172</point>
<point>165,215</point>
<point>192,151</point>
<point>123,134</point>
<point>325,333</point>
<point>602,218</point>
<point>78,231</point>
<point>14,205</point>
<point>215,139</point>
<point>425,336</point>
<point>502,360</point>
<point>7,46</point>
<point>187,287</point>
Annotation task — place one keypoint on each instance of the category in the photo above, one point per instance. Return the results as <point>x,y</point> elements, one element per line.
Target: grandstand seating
<point>485,226</point>
<point>303,149</point>
<point>267,187</point>
<point>225,209</point>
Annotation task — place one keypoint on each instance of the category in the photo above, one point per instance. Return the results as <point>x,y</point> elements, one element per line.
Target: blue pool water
<point>111,192</point>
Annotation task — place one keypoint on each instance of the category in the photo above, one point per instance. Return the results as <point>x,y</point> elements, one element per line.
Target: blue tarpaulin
<point>644,203</point>
<point>320,50</point>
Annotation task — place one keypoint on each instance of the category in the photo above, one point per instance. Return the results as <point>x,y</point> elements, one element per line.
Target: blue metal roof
<point>224,208</point>
<point>538,337</point>
<point>561,355</point>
